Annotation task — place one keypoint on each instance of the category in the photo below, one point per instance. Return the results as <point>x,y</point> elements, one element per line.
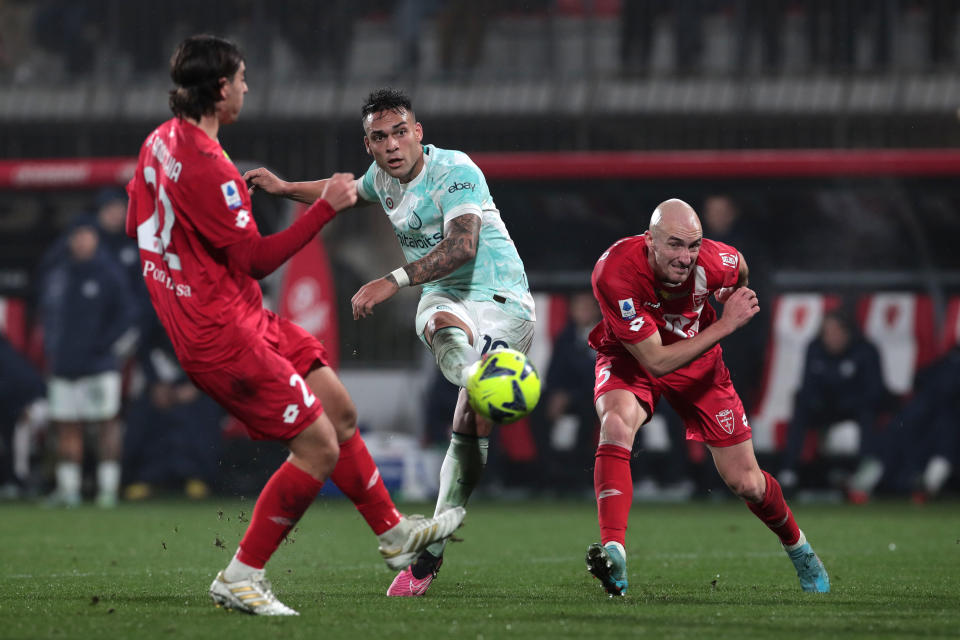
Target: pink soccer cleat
<point>405,585</point>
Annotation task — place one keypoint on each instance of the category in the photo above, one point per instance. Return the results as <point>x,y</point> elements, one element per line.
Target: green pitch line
<point>699,570</point>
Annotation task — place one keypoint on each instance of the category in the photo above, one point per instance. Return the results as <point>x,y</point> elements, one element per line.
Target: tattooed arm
<point>459,246</point>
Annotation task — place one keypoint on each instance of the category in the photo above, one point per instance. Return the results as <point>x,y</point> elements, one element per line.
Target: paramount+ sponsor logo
<point>419,241</point>
<point>460,186</point>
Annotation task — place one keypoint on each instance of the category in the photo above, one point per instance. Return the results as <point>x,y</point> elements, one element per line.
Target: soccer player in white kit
<point>475,294</point>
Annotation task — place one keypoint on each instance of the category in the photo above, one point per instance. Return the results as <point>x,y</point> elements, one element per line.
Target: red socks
<point>358,477</point>
<point>775,513</point>
<point>614,489</point>
<point>283,500</point>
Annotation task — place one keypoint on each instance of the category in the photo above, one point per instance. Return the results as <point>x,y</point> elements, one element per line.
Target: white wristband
<point>400,275</point>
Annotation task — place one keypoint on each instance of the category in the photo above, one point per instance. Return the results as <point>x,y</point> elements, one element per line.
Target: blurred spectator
<point>921,444</point>
<point>461,29</point>
<point>20,386</point>
<point>85,310</point>
<point>173,434</point>
<point>320,33</point>
<point>565,421</point>
<point>16,42</point>
<point>723,222</point>
<point>942,18</point>
<point>842,380</point>
<point>763,19</point>
<point>111,206</point>
<point>68,29</point>
<point>408,15</point>
<point>833,27</point>
<point>638,20</point>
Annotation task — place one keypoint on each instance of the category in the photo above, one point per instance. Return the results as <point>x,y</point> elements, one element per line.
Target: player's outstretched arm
<point>660,359</point>
<point>459,246</point>
<point>307,192</point>
<point>260,256</point>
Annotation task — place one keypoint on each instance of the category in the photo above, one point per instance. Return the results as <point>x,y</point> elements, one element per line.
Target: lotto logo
<point>243,218</point>
<point>291,413</point>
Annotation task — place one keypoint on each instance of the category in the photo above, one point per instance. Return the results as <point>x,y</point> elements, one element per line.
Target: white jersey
<point>450,185</point>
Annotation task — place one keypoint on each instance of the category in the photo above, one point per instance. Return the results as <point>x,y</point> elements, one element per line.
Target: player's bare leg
<point>109,450</point>
<point>356,474</point>
<point>69,470</point>
<point>621,416</point>
<point>738,467</point>
<point>284,499</point>
<point>466,456</point>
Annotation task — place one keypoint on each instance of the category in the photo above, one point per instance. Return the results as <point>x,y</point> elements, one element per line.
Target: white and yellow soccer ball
<point>503,386</point>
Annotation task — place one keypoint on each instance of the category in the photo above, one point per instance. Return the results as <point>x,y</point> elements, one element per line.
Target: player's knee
<point>748,486</point>
<point>316,447</point>
<point>614,427</point>
<point>345,421</point>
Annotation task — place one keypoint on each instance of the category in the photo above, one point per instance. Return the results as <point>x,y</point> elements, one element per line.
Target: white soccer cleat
<point>252,595</point>
<point>400,545</point>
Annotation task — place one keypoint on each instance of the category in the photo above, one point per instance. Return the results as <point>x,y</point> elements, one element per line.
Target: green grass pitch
<point>697,570</point>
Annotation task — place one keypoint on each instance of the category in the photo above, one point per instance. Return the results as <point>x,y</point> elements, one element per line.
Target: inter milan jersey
<point>187,203</point>
<point>450,185</point>
<point>635,304</point>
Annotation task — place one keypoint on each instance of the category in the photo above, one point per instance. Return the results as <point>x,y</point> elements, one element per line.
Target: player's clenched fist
<point>263,179</point>
<point>340,191</point>
<point>741,305</point>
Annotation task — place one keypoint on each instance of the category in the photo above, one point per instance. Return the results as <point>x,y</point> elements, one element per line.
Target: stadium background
<point>832,125</point>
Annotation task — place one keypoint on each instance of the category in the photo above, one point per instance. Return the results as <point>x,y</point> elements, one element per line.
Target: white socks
<point>802,540</point>
<point>454,354</point>
<point>237,570</point>
<point>69,479</point>
<point>108,478</point>
<point>459,474</point>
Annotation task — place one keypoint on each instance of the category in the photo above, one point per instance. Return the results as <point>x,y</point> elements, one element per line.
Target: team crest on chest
<point>413,220</point>
<point>725,420</point>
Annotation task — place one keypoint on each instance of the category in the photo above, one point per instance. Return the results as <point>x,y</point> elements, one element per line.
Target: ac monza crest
<point>725,420</point>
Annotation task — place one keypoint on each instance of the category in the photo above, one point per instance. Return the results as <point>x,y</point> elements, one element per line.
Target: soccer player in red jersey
<point>201,254</point>
<point>659,337</point>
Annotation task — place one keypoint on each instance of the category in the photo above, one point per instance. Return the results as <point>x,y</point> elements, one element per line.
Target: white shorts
<point>491,326</point>
<point>87,399</point>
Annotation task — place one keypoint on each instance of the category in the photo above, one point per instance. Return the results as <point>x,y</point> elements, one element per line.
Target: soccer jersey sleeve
<point>724,261</point>
<point>220,207</point>
<point>366,186</point>
<point>460,192</point>
<point>622,312</point>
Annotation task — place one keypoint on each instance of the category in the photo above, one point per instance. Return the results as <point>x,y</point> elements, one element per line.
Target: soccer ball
<point>503,386</point>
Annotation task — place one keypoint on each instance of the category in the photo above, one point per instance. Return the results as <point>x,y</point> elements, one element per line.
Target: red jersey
<point>187,203</point>
<point>635,304</point>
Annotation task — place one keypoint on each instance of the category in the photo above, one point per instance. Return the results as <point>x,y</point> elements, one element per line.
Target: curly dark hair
<point>386,99</point>
<point>196,68</point>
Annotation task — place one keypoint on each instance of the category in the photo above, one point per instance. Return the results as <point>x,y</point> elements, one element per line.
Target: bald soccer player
<point>659,337</point>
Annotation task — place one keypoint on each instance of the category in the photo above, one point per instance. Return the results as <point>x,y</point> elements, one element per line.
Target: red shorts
<point>701,393</point>
<point>264,385</point>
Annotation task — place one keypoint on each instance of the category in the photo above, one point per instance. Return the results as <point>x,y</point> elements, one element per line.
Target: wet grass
<point>696,570</point>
